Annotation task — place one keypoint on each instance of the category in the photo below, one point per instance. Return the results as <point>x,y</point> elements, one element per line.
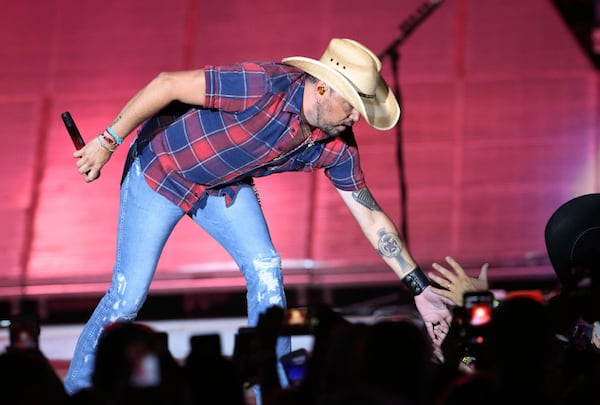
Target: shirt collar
<point>295,96</point>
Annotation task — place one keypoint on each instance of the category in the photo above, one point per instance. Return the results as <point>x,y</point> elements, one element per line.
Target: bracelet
<point>109,139</point>
<point>105,147</point>
<point>416,281</point>
<point>116,137</point>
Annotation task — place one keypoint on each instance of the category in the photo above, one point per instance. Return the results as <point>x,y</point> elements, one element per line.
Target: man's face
<point>334,114</point>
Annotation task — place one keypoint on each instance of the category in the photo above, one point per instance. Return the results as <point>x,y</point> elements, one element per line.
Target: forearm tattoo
<point>117,119</point>
<point>365,198</point>
<point>390,246</point>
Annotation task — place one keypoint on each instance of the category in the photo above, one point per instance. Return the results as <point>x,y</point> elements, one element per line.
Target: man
<point>206,133</point>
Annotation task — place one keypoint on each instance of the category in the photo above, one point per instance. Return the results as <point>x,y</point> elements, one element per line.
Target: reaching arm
<point>383,235</point>
<point>186,86</point>
<point>379,230</point>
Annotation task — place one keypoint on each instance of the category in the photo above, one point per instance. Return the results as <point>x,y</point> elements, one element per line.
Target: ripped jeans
<point>146,219</point>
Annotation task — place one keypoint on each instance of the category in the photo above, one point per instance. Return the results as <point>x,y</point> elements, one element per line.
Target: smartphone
<point>475,319</point>
<point>74,133</point>
<point>294,365</point>
<point>24,332</point>
<point>245,350</point>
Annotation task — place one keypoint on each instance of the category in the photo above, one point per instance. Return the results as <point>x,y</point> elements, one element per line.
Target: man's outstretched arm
<point>385,238</point>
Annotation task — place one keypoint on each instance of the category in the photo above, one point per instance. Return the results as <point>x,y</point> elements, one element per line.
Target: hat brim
<point>381,112</point>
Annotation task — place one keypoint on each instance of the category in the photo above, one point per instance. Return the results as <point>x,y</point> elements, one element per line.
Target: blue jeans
<point>146,219</point>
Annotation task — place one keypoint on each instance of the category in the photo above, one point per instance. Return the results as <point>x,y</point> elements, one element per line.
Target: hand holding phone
<point>74,133</point>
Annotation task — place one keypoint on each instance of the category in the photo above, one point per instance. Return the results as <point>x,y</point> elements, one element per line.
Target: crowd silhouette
<point>389,361</point>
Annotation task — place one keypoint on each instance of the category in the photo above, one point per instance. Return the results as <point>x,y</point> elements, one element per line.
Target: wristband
<point>105,147</point>
<point>109,139</point>
<point>416,281</point>
<point>116,137</point>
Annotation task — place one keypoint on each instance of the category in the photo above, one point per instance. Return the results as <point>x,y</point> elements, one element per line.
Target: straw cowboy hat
<point>354,72</point>
<point>572,237</point>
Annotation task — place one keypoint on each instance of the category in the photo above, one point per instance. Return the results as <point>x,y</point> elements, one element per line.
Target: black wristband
<point>416,281</point>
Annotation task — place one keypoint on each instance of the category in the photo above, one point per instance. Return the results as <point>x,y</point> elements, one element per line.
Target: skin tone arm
<point>379,230</point>
<point>186,86</point>
<point>383,235</point>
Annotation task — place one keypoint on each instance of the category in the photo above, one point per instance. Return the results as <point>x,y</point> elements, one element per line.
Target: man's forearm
<point>393,251</point>
<point>386,239</point>
<point>140,107</point>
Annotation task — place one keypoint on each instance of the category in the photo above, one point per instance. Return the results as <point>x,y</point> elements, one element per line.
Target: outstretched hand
<point>456,282</point>
<point>434,310</point>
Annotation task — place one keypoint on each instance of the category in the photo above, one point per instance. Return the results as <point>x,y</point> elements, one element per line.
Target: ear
<point>321,88</point>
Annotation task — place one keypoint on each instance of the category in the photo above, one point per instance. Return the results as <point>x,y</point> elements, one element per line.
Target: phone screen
<point>298,321</point>
<point>479,307</point>
<point>294,364</point>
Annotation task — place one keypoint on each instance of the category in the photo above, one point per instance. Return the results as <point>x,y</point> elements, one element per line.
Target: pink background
<point>499,124</point>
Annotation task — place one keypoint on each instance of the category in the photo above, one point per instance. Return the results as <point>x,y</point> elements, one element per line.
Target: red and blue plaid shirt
<point>249,119</point>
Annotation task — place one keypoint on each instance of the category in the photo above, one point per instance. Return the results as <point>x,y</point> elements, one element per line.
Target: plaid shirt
<point>249,119</point>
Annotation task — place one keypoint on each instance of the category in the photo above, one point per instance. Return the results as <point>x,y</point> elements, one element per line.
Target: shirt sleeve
<point>234,87</point>
<point>345,172</point>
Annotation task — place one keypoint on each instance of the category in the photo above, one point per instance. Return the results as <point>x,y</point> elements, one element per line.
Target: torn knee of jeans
<point>269,274</point>
<point>268,267</point>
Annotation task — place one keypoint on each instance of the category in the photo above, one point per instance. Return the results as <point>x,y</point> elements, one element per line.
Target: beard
<point>333,129</point>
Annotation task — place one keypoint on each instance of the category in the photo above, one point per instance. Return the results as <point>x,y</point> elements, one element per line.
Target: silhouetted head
<point>128,356</point>
<point>573,243</point>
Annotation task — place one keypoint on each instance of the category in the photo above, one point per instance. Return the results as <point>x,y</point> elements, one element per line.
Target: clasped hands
<point>434,303</point>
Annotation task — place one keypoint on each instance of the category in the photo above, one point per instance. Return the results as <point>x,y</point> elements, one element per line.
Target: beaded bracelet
<point>109,139</point>
<point>105,147</point>
<point>416,281</point>
<point>116,137</point>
